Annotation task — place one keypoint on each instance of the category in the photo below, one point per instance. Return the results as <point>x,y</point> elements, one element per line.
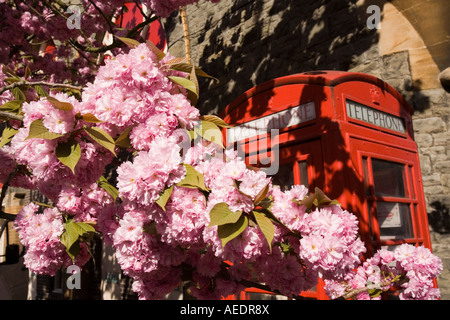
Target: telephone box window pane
<point>284,177</point>
<point>303,168</point>
<point>388,178</point>
<point>394,220</point>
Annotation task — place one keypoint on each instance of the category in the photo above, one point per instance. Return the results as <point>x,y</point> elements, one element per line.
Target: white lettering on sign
<point>283,119</point>
<point>378,118</point>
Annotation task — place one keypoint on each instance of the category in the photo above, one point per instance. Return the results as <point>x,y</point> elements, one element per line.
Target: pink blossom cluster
<point>408,267</point>
<point>41,22</point>
<point>163,8</point>
<point>38,155</point>
<point>328,246</point>
<point>330,243</point>
<point>134,90</point>
<point>143,179</point>
<point>40,234</point>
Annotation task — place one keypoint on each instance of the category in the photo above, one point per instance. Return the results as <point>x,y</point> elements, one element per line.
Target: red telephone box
<point>349,134</point>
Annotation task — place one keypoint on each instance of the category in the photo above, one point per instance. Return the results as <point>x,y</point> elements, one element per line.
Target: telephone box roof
<point>324,78</point>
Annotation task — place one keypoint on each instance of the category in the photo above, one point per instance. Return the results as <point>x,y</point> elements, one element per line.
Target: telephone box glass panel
<point>388,178</point>
<point>394,219</point>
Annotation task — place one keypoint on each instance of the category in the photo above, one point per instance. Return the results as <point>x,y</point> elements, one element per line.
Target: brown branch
<point>13,116</point>
<point>40,83</point>
<point>186,34</point>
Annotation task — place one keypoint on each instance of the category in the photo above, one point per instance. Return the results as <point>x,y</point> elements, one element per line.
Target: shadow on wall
<point>439,218</point>
<point>256,41</point>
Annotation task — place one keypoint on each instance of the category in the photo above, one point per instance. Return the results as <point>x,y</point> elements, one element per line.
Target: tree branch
<point>186,34</point>
<point>40,83</point>
<point>13,116</point>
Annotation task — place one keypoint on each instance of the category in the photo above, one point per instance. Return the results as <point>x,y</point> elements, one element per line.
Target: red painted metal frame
<point>335,143</point>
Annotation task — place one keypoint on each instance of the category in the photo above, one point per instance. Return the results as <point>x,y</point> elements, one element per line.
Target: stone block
<point>423,140</point>
<point>445,180</point>
<point>433,190</point>
<point>431,180</point>
<point>425,164</point>
<point>436,154</point>
<point>442,139</point>
<point>429,125</point>
<point>396,65</point>
<point>442,166</point>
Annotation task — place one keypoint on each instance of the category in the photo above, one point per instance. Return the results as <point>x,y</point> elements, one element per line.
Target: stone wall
<point>247,42</point>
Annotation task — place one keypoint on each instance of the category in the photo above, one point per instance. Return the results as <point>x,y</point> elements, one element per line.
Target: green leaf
<point>261,194</point>
<point>83,228</point>
<point>216,120</point>
<point>266,226</point>
<point>69,239</point>
<point>164,197</point>
<point>7,135</point>
<point>160,54</point>
<point>69,152</point>
<point>129,42</point>
<point>38,130</point>
<point>27,72</point>
<point>194,96</point>
<point>11,106</point>
<point>11,80</point>
<point>123,140</point>
<point>89,117</point>
<point>65,106</point>
<point>71,236</point>
<point>189,85</point>
<point>318,199</point>
<point>18,94</point>
<point>269,214</point>
<point>221,214</point>
<point>103,183</point>
<point>187,67</point>
<point>9,72</point>
<point>101,137</point>
<point>193,179</point>
<point>228,232</point>
<point>40,91</point>
<point>286,248</point>
<point>175,61</point>
<point>210,132</point>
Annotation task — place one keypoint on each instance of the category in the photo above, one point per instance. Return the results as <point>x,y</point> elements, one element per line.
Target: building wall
<point>246,42</point>
<point>13,277</point>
